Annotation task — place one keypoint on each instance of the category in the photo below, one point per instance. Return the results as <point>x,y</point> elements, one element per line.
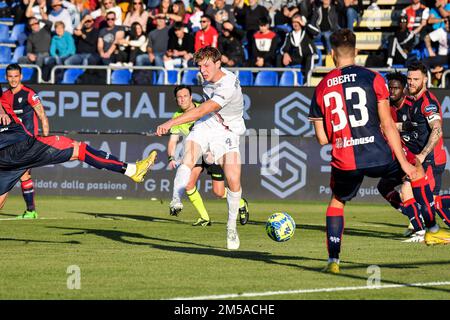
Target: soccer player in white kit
<point>219,123</point>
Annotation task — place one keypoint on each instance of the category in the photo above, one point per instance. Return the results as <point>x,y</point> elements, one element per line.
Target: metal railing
<point>108,69</point>
<point>254,70</point>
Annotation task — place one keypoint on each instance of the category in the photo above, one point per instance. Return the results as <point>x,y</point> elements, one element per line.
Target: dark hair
<point>133,33</point>
<point>263,21</point>
<point>110,12</point>
<point>207,17</point>
<point>181,87</point>
<point>400,77</point>
<point>178,26</point>
<point>13,66</point>
<point>418,66</point>
<point>343,38</point>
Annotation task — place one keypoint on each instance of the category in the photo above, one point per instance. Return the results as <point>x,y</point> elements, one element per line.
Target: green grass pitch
<point>133,249</point>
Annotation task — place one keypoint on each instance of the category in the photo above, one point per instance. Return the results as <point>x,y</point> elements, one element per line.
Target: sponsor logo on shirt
<point>432,108</point>
<point>344,143</point>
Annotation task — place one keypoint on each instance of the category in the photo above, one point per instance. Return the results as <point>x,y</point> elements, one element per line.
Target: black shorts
<point>434,173</point>
<point>30,153</point>
<point>214,170</point>
<point>346,183</point>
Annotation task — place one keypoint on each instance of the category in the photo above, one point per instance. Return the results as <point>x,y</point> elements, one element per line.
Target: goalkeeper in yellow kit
<point>183,96</point>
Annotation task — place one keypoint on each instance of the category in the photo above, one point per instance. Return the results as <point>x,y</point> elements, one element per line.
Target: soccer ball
<point>280,227</point>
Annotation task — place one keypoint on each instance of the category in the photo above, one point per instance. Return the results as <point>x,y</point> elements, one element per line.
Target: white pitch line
<point>317,290</point>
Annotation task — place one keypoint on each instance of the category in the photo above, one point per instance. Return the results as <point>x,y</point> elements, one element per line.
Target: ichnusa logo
<point>283,169</point>
<point>291,115</point>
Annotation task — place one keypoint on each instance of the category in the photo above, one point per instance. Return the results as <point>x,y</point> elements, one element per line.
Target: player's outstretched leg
<point>103,160</point>
<point>197,201</point>
<point>244,213</point>
<point>26,184</point>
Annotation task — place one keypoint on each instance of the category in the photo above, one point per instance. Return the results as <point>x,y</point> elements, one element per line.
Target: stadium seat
<point>122,76</point>
<point>71,75</point>
<point>3,75</point>
<point>27,74</point>
<point>172,77</point>
<point>5,55</point>
<point>266,78</point>
<point>287,79</point>
<point>18,34</point>
<point>18,52</point>
<point>190,77</point>
<point>4,33</point>
<point>246,78</point>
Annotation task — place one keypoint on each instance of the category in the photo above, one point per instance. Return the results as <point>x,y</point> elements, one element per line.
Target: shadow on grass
<point>26,241</point>
<point>116,216</point>
<point>257,256</point>
<point>356,232</point>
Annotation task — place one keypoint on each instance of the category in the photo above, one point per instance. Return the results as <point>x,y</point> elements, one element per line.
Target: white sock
<point>434,228</point>
<point>180,182</point>
<point>131,169</point>
<point>333,260</point>
<point>233,200</point>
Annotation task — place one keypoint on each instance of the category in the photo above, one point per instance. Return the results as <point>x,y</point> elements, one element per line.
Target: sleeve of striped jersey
<point>431,111</point>
<point>380,87</point>
<point>33,98</point>
<point>315,110</point>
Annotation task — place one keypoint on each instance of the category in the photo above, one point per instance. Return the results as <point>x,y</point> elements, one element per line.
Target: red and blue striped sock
<point>100,159</point>
<point>424,196</point>
<point>443,208</point>
<point>335,229</point>
<point>410,208</point>
<point>28,194</point>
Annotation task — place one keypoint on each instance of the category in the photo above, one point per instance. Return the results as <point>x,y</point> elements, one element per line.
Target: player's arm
<point>171,146</point>
<point>321,135</point>
<point>192,115</point>
<point>435,135</point>
<point>40,112</point>
<point>393,137</point>
<point>5,119</point>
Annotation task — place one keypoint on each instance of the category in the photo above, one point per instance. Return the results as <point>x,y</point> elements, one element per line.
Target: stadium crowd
<point>249,33</point>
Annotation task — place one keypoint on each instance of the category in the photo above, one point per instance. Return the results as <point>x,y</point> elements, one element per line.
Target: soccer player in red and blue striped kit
<point>350,110</point>
<point>27,105</point>
<point>20,151</point>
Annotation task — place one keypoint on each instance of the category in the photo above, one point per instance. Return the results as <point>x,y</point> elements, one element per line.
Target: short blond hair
<point>208,52</point>
<point>60,24</point>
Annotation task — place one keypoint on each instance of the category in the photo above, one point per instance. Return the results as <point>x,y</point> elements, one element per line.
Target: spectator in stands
<point>106,6</point>
<point>288,9</point>
<point>298,47</point>
<point>62,45</point>
<point>203,4</point>
<point>417,15</point>
<point>195,18</point>
<point>207,35</point>
<point>157,45</point>
<point>153,4</point>
<point>178,14</point>
<point>164,9</point>
<point>265,43</point>
<point>137,13</point>
<point>221,12</point>
<point>325,20</point>
<point>38,45</point>
<point>230,45</point>
<point>37,9</point>
<point>59,13</point>
<point>273,7</point>
<point>180,49</point>
<point>439,14</point>
<point>108,40</point>
<point>436,77</point>
<point>136,42</point>
<point>82,8</point>
<point>400,44</point>
<point>353,10</point>
<point>86,39</point>
<point>442,36</point>
<point>251,15</point>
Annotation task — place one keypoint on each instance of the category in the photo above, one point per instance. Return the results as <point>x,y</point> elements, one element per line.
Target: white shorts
<point>219,141</point>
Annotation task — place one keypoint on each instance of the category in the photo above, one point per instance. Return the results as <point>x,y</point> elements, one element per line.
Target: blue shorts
<point>346,183</point>
<point>31,153</point>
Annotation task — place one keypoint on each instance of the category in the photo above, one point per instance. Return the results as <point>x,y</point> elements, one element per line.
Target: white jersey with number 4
<point>227,93</point>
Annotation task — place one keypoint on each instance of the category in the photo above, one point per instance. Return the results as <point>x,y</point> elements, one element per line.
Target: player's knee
<point>26,176</point>
<point>76,150</point>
